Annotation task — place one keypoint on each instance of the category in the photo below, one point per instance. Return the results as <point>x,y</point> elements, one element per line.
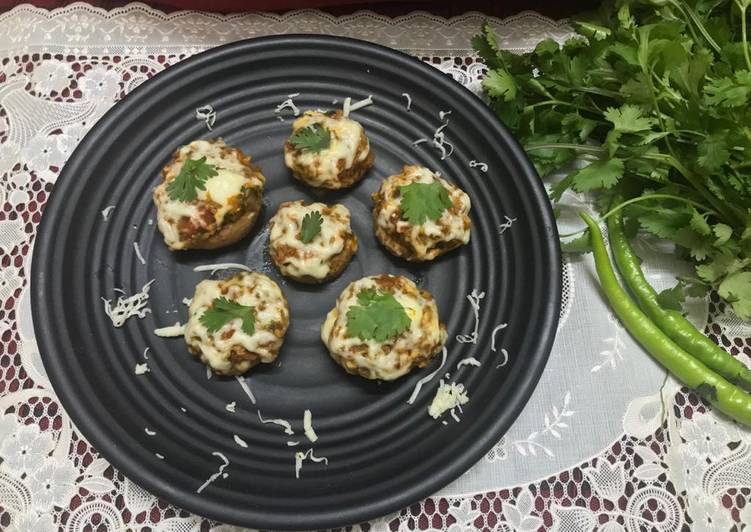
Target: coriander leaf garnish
<point>311,226</point>
<point>313,138</point>
<point>192,177</point>
<point>378,316</point>
<point>421,201</point>
<point>222,311</point>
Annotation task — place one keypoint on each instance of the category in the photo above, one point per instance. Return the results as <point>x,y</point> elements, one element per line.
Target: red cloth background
<point>498,8</point>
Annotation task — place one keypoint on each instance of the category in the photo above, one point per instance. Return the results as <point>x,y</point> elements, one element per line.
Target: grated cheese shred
<point>409,100</point>
<point>300,458</point>
<point>239,441</point>
<point>141,369</point>
<point>149,432</point>
<point>171,331</point>
<point>213,268</point>
<point>307,423</point>
<point>288,104</point>
<point>477,164</point>
<point>427,378</point>
<point>439,138</point>
<point>127,307</point>
<point>138,253</point>
<point>469,361</point>
<point>278,421</point>
<point>216,475</point>
<point>447,397</point>
<point>231,407</point>
<point>106,212</point>
<point>246,388</point>
<point>207,114</point>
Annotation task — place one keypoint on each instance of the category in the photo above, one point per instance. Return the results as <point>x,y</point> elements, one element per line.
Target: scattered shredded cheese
<point>300,458</point>
<point>288,104</point>
<point>213,268</point>
<point>246,388</point>
<point>138,253</point>
<point>160,456</point>
<point>427,378</point>
<point>346,106</point>
<point>292,443</point>
<point>216,475</point>
<point>187,301</point>
<point>106,212</point>
<point>307,424</point>
<point>474,164</point>
<point>447,397</point>
<point>125,308</point>
<point>334,101</point>
<point>454,415</point>
<point>141,369</point>
<point>469,361</point>
<point>151,222</point>
<point>239,441</point>
<point>474,298</point>
<point>207,114</point>
<point>439,138</point>
<point>171,331</point>
<point>409,100</point>
<point>505,359</point>
<point>146,354</point>
<point>349,107</point>
<point>225,475</point>
<point>182,409</point>
<point>149,432</point>
<point>492,336</point>
<point>445,422</point>
<point>209,373</point>
<point>231,407</point>
<point>282,423</point>
<point>505,226</point>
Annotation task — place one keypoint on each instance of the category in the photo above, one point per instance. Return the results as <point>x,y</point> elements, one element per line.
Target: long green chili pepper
<point>726,397</point>
<point>672,322</point>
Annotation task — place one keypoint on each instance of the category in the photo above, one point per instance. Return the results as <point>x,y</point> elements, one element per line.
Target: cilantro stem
<point>638,199</point>
<point>693,180</point>
<point>563,146</point>
<point>559,102</point>
<point>742,6</point>
<point>691,14</point>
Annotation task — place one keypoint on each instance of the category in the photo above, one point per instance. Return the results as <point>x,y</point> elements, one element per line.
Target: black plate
<point>383,454</point>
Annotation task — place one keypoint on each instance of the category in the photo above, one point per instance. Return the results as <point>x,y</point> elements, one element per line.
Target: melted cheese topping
<point>345,139</point>
<point>314,258</point>
<point>453,224</point>
<point>397,356</point>
<point>271,320</point>
<point>223,189</point>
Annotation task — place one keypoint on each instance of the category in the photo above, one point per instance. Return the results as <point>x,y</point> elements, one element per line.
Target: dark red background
<point>498,8</point>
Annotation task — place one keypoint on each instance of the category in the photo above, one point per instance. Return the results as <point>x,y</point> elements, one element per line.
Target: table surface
<point>650,456</point>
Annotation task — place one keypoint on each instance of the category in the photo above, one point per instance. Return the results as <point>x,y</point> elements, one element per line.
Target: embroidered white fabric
<point>607,442</point>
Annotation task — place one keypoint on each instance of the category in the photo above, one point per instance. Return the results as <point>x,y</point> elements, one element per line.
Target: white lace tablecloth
<point>606,443</point>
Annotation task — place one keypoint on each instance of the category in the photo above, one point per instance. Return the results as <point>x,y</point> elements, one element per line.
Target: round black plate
<point>383,453</point>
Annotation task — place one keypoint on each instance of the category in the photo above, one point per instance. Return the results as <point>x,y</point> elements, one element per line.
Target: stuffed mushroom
<point>419,216</point>
<point>328,150</point>
<point>311,243</point>
<point>383,326</point>
<point>237,323</point>
<point>209,197</point>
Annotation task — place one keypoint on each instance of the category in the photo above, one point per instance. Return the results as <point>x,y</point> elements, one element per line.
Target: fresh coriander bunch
<point>655,96</point>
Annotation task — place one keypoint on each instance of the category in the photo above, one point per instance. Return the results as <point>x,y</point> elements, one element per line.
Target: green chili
<point>671,322</point>
<point>726,397</point>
